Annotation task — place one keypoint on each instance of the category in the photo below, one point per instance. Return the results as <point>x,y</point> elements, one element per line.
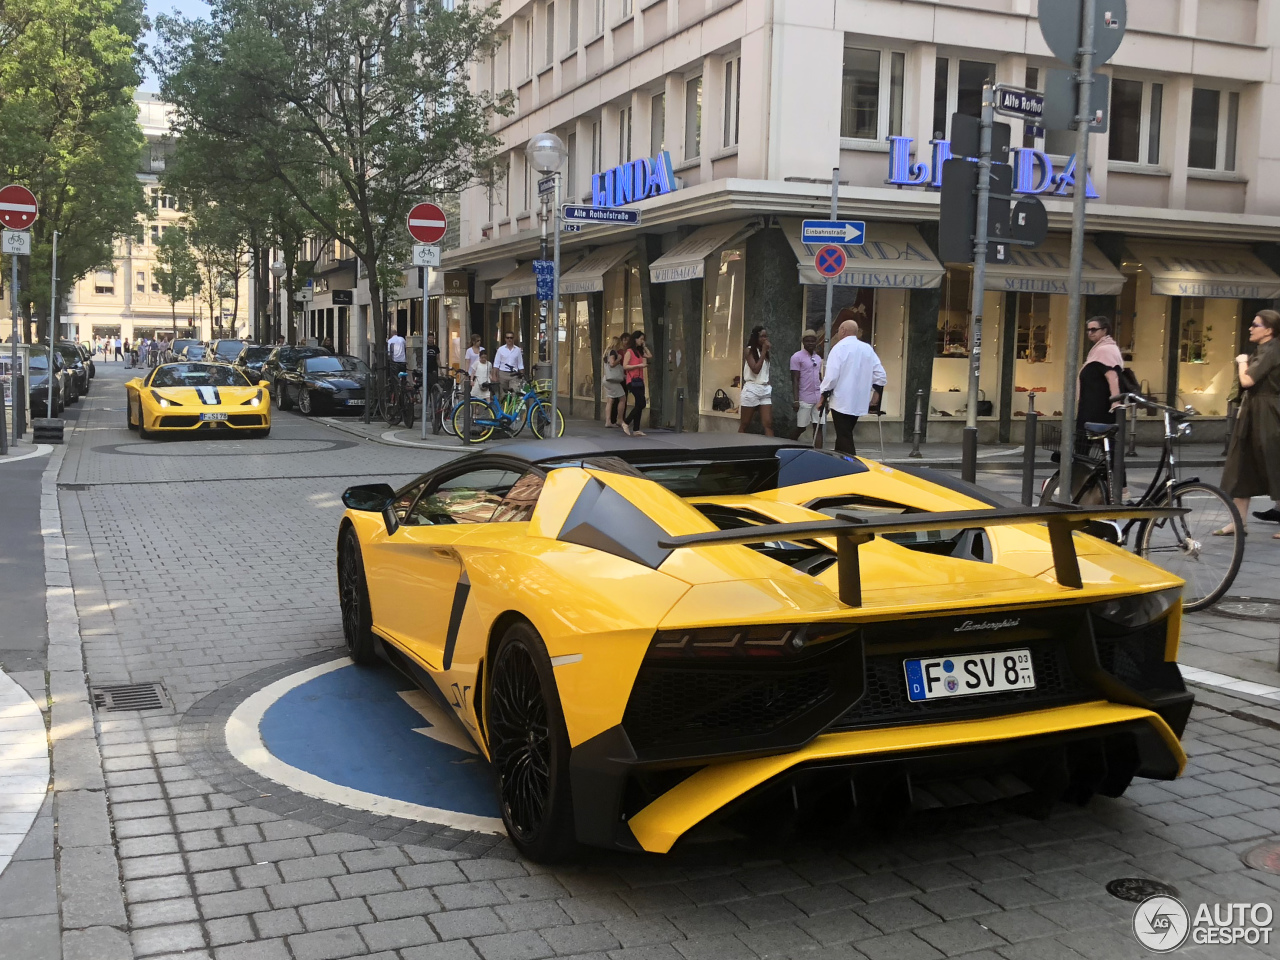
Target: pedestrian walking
<point>119,354</point>
<point>473,351</point>
<point>854,373</point>
<point>481,373</point>
<point>509,360</point>
<point>1253,457</point>
<point>396,354</point>
<point>1099,379</point>
<point>634,361</point>
<point>806,380</point>
<point>757,392</point>
<point>614,380</point>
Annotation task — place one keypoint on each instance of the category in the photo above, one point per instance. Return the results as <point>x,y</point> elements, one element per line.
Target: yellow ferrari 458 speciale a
<point>650,637</point>
<point>197,397</point>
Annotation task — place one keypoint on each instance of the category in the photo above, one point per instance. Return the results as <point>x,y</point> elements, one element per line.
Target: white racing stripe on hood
<point>208,395</point>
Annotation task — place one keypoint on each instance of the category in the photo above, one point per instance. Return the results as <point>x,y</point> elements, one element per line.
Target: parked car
<point>251,360</point>
<point>86,353</point>
<point>226,351</point>
<point>177,346</point>
<point>287,356</point>
<point>323,385</point>
<point>75,364</point>
<point>195,350</point>
<point>38,382</point>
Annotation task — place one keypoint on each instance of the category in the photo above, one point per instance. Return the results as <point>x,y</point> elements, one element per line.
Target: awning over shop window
<point>520,282</point>
<point>1047,268</point>
<point>892,255</point>
<point>1217,270</point>
<point>588,275</point>
<point>687,259</point>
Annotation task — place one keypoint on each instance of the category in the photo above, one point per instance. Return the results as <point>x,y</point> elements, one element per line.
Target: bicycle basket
<point>541,387</point>
<point>1050,437</point>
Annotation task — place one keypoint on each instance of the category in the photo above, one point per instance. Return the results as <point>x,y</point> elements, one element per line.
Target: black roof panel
<point>664,446</point>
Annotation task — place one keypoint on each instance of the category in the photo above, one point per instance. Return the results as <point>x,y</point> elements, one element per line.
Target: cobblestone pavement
<point>198,564</point>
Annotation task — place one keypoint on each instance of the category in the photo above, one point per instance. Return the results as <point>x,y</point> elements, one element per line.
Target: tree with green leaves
<point>359,108</point>
<point>219,248</point>
<point>70,130</point>
<point>177,271</point>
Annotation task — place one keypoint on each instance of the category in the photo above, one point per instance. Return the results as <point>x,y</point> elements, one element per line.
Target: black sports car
<point>226,351</point>
<point>325,384</point>
<point>250,361</point>
<point>194,350</point>
<point>38,383</point>
<point>286,356</point>
<point>87,356</point>
<point>70,354</point>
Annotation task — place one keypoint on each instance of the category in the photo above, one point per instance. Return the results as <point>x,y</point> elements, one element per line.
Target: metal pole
<point>554,325</point>
<point>826,323</point>
<point>969,445</point>
<point>16,378</point>
<point>53,316</point>
<point>919,433</point>
<point>1029,451</point>
<point>1084,81</point>
<point>426,313</point>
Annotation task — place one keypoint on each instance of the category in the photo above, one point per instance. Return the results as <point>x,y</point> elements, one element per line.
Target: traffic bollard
<point>919,431</point>
<point>1029,452</point>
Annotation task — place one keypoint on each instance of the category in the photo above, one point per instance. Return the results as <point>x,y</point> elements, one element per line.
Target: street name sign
<point>427,223</point>
<point>1019,102</point>
<point>833,231</point>
<point>426,254</point>
<point>547,185</point>
<point>571,227</point>
<point>16,243</point>
<point>579,214</point>
<point>18,209</point>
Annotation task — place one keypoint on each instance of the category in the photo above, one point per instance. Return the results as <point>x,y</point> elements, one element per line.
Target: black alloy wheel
<point>282,397</point>
<point>304,402</point>
<point>353,598</point>
<point>529,748</point>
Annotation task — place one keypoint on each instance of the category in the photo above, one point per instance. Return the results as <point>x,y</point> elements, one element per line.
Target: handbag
<point>721,402</point>
<point>985,407</point>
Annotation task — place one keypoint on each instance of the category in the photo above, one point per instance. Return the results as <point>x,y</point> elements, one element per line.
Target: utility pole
<point>826,323</point>
<point>53,317</point>
<point>555,311</point>
<point>969,445</point>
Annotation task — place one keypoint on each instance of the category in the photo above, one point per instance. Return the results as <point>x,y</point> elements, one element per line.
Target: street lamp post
<point>278,269</point>
<point>547,153</point>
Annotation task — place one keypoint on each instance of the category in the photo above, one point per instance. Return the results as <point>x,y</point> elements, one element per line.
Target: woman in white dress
<point>757,394</point>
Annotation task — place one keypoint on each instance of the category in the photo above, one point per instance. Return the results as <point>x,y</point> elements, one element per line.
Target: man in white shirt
<point>396,353</point>
<point>853,373</point>
<point>509,362</point>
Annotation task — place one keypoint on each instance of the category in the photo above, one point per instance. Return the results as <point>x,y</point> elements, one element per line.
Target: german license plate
<point>966,674</point>
<point>213,416</point>
<point>355,403</point>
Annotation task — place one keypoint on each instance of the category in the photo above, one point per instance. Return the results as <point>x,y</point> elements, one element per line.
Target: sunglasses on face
<point>1094,329</point>
<point>1256,325</point>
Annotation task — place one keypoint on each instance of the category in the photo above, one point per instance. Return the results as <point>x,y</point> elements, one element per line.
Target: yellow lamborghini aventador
<point>649,638</point>
<point>197,397</point>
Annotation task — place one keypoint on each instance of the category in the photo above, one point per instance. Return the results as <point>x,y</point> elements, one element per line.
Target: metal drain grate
<point>1247,608</point>
<point>1137,889</point>
<point>129,696</point>
<point>73,486</point>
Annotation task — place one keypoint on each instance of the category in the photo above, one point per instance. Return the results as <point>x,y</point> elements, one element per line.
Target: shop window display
<point>722,333</point>
<point>583,367</point>
<point>1040,329</point>
<point>881,318</point>
<point>953,314</point>
<point>1145,317</point>
<point>1206,344</point>
<point>454,326</point>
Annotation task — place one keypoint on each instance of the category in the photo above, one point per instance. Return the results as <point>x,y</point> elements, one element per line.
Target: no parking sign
<point>830,261</point>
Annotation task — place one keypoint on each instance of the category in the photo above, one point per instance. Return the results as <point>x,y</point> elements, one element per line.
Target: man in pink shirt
<point>806,378</point>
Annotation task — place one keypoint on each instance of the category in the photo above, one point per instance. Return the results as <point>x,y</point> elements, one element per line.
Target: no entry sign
<point>17,207</point>
<point>427,223</point>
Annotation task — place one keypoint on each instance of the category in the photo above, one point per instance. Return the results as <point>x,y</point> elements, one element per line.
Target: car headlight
<point>165,401</point>
<point>254,401</point>
<point>1126,614</point>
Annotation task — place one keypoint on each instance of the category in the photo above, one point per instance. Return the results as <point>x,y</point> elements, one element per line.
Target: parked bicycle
<point>446,393</point>
<point>398,407</point>
<point>1193,545</point>
<point>508,417</point>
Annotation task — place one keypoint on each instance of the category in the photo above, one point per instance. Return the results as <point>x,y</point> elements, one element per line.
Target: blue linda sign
<point>1033,170</point>
<point>633,181</point>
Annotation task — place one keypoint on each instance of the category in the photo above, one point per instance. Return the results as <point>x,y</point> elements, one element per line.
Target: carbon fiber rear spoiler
<point>851,532</point>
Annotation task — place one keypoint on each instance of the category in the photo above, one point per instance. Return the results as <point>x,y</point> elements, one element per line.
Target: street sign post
<point>18,210</point>
<point>849,232</point>
<point>427,223</point>
<point>830,261</point>
<point>426,254</point>
<point>577,214</point>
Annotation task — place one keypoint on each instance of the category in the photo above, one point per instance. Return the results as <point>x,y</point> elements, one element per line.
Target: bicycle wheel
<point>480,431</point>
<point>406,408</point>
<point>540,421</point>
<point>1090,492</point>
<point>519,417</point>
<point>391,410</point>
<point>444,413</point>
<point>1186,547</point>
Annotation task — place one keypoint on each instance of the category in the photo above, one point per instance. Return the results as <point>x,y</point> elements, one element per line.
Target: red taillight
<point>747,641</point>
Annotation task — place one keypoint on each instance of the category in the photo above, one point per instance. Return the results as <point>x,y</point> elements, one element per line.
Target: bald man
<point>854,373</point>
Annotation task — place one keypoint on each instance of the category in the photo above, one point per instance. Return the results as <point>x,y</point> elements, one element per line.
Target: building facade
<point>125,300</point>
<point>722,121</point>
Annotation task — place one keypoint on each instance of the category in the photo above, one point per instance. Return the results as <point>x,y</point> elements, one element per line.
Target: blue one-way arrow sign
<point>574,214</point>
<point>833,231</point>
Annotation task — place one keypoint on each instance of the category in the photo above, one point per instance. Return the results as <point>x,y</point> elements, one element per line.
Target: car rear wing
<point>851,532</point>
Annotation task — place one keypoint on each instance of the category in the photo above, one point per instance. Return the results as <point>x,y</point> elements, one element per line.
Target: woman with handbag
<point>481,374</point>
<point>634,360</point>
<point>615,390</point>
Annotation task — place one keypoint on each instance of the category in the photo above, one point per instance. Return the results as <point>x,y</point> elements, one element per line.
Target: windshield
<point>198,375</point>
<point>229,348</point>
<point>38,361</point>
<point>68,353</point>
<point>195,351</point>
<point>350,365</point>
<point>255,354</point>
<point>290,355</point>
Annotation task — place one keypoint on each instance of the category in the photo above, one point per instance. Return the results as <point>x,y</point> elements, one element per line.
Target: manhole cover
<point>1137,889</point>
<point>129,696</point>
<point>1247,608</point>
<point>1265,857</point>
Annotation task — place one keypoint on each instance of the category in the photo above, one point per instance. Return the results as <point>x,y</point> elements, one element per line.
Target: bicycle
<point>401,395</point>
<point>1190,545</point>
<point>488,416</point>
<point>446,394</point>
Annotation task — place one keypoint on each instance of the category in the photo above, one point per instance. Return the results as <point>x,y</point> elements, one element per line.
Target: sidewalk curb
<point>93,917</point>
<point>339,426</point>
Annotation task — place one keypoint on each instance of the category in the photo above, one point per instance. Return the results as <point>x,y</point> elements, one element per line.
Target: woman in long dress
<point>1253,457</point>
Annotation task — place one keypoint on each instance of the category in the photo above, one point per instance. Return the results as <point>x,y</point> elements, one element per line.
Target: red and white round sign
<point>427,223</point>
<point>18,207</point>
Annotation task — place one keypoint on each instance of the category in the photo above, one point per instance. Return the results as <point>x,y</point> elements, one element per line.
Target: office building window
<point>140,282</point>
<point>104,281</point>
<point>595,146</point>
<point>693,118</point>
<point>860,94</point>
<point>941,72</point>
<point>1156,98</point>
<point>550,27</point>
<point>625,10</point>
<point>624,134</point>
<point>571,167</point>
<point>528,47</point>
<point>155,233</point>
<point>1134,130</point>
<point>1213,129</point>
<point>573,24</point>
<point>971,75</point>
<point>658,124</point>
<point>897,90</point>
<point>958,89</point>
<point>732,88</point>
<point>528,177</point>
<point>598,19</point>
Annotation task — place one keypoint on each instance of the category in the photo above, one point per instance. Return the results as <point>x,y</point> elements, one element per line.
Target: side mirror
<point>370,497</point>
